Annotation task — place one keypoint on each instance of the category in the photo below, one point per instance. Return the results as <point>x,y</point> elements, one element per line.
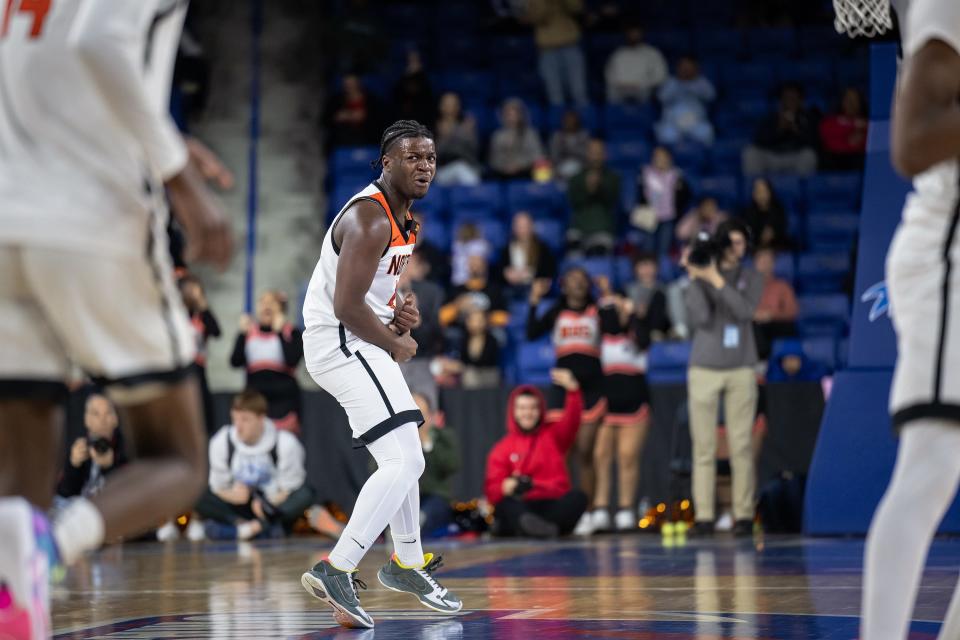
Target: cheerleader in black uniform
<point>270,349</point>
<point>575,323</point>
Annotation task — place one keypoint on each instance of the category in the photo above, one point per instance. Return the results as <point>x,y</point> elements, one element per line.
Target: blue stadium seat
<point>346,159</point>
<point>667,362</point>
<point>784,266</point>
<point>822,272</point>
<point>627,153</point>
<point>789,189</point>
<point>812,73</point>
<point>552,232</point>
<point>627,120</point>
<point>595,266</point>
<point>725,188</point>
<point>838,190</point>
<point>711,42</point>
<point>823,314</point>
<point>759,73</point>
<point>669,270</point>
<point>690,156</point>
<point>622,271</point>
<point>494,231</point>
<point>470,85</point>
<point>434,205</point>
<point>753,109</point>
<point>832,231</point>
<point>764,42</point>
<point>543,199</point>
<point>436,232</point>
<point>534,361</point>
<point>485,116</point>
<point>671,42</point>
<point>513,52</point>
<point>589,117</point>
<point>820,41</point>
<point>725,154</point>
<point>852,72</point>
<point>485,196</point>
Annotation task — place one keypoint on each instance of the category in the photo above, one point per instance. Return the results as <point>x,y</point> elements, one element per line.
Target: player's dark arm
<point>926,113</point>
<point>364,234</point>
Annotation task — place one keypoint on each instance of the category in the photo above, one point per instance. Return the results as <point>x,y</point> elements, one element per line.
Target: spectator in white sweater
<point>634,70</point>
<point>257,475</point>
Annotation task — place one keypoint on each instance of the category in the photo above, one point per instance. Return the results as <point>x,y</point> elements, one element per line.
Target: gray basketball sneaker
<point>420,583</point>
<point>339,590</point>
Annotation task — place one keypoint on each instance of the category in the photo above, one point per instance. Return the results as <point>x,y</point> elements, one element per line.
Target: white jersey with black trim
<point>326,342</point>
<point>86,138</point>
<point>936,191</point>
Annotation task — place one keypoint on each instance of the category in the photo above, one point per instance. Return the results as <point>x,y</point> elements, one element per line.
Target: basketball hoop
<point>867,18</point>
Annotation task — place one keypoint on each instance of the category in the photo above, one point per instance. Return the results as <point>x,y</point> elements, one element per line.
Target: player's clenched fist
<point>404,348</point>
<point>407,316</point>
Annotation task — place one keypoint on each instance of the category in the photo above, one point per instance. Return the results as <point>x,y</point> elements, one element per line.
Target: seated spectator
<point>515,147</point>
<point>468,243</point>
<point>568,146</point>
<point>96,454</point>
<point>526,257</point>
<point>479,353</point>
<point>412,95</point>
<point>257,475</point>
<point>458,148</point>
<point>437,258</point>
<point>205,326</point>
<point>766,217</point>
<point>843,135</point>
<point>706,216</point>
<point>594,198</point>
<point>441,452</point>
<point>661,193</point>
<point>785,140</point>
<point>269,349</point>
<point>429,298</point>
<point>634,70</point>
<point>684,98</point>
<point>776,315</point>
<point>478,292</point>
<point>529,485</point>
<point>556,30</point>
<point>791,364</point>
<point>352,117</point>
<point>649,300</point>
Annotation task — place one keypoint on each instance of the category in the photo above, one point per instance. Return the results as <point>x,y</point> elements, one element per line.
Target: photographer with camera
<point>257,475</point>
<point>720,301</point>
<point>527,479</point>
<point>95,455</point>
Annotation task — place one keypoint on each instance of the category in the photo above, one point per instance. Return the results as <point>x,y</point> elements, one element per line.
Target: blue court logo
<point>881,300</point>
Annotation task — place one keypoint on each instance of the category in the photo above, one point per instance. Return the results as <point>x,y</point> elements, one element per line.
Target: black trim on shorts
<point>155,270</point>
<point>938,410</point>
<point>33,390</point>
<point>383,394</point>
<point>388,425</point>
<point>945,301</point>
<point>343,341</point>
<point>167,377</point>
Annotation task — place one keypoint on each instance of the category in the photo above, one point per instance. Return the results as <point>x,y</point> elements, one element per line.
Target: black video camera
<point>704,249</point>
<point>100,445</point>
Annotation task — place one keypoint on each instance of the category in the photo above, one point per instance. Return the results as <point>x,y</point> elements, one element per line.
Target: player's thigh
<point>31,356</point>
<point>120,318</point>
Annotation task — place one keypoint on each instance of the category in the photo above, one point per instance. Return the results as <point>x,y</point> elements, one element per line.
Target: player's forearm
<point>364,323</point>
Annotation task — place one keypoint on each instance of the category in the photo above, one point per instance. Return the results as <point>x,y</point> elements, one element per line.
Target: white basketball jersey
<point>326,342</point>
<point>936,190</point>
<point>85,134</point>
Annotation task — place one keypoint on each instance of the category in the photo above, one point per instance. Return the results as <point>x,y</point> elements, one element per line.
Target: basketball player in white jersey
<point>355,334</point>
<point>87,150</point>
<point>924,284</point>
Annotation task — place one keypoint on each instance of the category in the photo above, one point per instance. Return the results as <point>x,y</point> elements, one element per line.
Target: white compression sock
<point>923,485</point>
<point>400,463</point>
<point>405,529</point>
<point>78,529</point>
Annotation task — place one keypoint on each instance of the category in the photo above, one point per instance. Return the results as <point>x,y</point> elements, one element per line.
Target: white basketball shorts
<point>923,281</point>
<point>119,319</point>
<point>369,386</point>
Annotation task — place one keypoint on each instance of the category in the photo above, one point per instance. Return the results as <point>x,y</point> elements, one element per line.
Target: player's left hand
<point>407,316</point>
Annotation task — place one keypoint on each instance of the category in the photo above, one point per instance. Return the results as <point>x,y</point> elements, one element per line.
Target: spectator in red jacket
<point>843,135</point>
<point>527,477</point>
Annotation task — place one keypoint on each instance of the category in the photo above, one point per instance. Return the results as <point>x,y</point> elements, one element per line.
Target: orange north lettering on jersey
<point>39,9</point>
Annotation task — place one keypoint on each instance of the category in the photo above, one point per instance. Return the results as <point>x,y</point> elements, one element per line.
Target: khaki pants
<point>739,387</point>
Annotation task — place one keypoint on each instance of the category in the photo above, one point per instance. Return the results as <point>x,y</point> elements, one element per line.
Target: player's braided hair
<point>398,131</point>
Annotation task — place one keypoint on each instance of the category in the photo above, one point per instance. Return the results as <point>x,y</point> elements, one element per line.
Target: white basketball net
<point>862,17</point>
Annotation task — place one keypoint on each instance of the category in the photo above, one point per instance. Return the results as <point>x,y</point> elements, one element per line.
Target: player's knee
<point>416,464</point>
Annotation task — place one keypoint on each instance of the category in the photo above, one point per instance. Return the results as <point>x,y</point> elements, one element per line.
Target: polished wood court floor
<point>627,587</point>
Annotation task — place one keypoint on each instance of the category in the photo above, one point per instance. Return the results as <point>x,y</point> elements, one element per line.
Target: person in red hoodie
<point>527,479</point>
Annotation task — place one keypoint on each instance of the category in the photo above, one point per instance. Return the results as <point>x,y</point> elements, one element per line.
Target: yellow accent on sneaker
<point>427,557</point>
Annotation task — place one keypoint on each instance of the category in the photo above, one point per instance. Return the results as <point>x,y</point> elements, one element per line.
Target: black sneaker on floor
<point>702,529</point>
<point>338,589</point>
<point>536,527</point>
<point>743,528</point>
